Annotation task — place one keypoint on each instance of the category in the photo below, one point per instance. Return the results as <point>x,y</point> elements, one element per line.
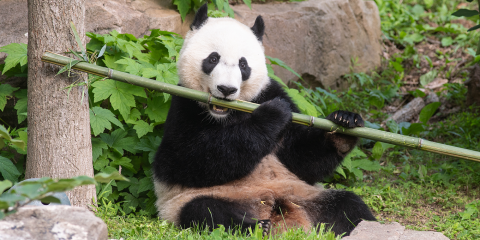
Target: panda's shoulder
<point>274,90</point>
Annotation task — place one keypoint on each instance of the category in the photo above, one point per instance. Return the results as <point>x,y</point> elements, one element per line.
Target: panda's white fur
<point>232,40</point>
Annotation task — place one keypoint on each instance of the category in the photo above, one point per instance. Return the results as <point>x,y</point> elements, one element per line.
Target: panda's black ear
<point>259,28</point>
<point>200,17</point>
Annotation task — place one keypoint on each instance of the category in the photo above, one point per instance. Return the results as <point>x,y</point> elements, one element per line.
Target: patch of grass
<point>421,190</point>
<point>136,226</point>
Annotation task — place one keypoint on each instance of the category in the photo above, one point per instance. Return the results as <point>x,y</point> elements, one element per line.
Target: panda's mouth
<point>218,110</point>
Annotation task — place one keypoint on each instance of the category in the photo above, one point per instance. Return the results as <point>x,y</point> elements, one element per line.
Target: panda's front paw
<point>276,112</point>
<point>265,226</point>
<point>346,119</point>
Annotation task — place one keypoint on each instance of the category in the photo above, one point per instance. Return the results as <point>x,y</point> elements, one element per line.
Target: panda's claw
<point>266,226</point>
<point>346,119</point>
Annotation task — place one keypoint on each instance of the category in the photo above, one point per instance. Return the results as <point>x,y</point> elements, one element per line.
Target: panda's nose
<point>227,91</point>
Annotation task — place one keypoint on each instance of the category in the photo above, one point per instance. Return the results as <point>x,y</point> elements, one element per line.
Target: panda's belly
<point>268,183</point>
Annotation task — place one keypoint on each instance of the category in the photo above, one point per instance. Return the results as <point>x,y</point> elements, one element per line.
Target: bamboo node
<point>209,101</point>
<point>419,143</point>
<point>110,73</point>
<point>312,121</point>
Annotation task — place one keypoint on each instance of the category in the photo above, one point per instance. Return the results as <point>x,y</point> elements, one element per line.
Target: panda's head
<point>225,58</point>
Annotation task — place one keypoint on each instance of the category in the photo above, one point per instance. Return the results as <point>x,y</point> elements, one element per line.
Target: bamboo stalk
<point>364,132</point>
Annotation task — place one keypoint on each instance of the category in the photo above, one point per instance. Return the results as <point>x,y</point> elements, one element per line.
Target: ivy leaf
<point>166,72</point>
<point>142,128</point>
<point>118,160</point>
<point>21,105</point>
<point>119,142</point>
<point>121,94</point>
<point>4,185</point>
<point>157,109</point>
<point>100,119</point>
<point>134,116</point>
<point>5,91</point>
<point>428,111</point>
<point>145,184</point>
<point>100,163</point>
<point>49,199</point>
<point>133,67</point>
<point>276,61</point>
<point>183,7</point>
<point>110,61</point>
<point>150,145</point>
<point>8,170</point>
<point>17,54</point>
<point>97,148</point>
<point>130,201</point>
<point>17,143</point>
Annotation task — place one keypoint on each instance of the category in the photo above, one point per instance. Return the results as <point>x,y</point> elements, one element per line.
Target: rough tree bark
<point>59,143</point>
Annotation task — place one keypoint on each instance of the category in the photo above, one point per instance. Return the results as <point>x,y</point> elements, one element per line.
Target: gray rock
<point>13,22</point>
<point>394,231</point>
<point>319,38</point>
<point>407,112</point>
<point>53,222</point>
<point>316,38</point>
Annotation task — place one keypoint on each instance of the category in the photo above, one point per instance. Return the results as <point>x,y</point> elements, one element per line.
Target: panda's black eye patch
<point>210,62</point>
<point>244,68</point>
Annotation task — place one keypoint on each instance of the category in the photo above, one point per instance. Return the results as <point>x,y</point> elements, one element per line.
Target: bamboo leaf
<point>79,42</point>
<point>248,3</point>
<point>183,6</point>
<point>474,28</point>
<point>280,63</point>
<point>102,51</point>
<point>68,66</point>
<point>465,13</point>
<point>105,177</point>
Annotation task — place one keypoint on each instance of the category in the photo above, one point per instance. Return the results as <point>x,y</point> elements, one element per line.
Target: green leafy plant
<point>42,189</point>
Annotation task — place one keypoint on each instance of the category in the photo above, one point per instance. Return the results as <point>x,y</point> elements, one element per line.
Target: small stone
<point>407,112</point>
<point>53,222</point>
<point>394,231</point>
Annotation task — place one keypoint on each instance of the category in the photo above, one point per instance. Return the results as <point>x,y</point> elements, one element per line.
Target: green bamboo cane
<point>364,132</point>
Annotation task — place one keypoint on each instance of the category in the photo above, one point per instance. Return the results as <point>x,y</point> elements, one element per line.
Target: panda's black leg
<point>210,212</point>
<point>340,210</point>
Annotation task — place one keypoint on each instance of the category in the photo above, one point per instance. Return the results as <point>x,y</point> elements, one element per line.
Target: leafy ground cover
<point>424,191</point>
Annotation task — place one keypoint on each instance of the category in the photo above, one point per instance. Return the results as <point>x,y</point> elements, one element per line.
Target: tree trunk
<point>59,142</point>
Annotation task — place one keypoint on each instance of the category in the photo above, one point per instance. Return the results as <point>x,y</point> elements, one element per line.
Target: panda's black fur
<point>252,168</point>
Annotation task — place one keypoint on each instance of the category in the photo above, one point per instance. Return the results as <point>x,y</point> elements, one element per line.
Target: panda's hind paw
<point>265,225</point>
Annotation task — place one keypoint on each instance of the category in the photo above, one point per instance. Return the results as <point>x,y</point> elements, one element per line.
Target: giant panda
<point>220,166</point>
